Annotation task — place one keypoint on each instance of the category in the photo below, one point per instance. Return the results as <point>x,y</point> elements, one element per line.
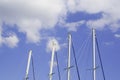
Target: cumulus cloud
<point>30,16</point>
<point>87,5</point>
<point>110,10</point>
<point>10,41</point>
<point>53,42</point>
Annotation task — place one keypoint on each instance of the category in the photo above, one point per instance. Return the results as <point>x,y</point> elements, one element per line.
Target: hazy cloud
<point>117,35</point>
<point>73,26</point>
<point>53,42</point>
<point>0,35</point>
<point>109,43</point>
<point>54,63</point>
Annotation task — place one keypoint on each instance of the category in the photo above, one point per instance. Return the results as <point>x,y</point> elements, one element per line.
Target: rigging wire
<point>100,58</point>
<point>33,68</point>
<point>75,61</point>
<point>81,50</point>
<point>58,66</point>
<point>87,68</point>
<point>63,75</point>
<point>84,44</point>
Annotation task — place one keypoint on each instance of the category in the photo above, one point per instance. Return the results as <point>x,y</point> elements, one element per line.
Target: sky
<point>32,24</point>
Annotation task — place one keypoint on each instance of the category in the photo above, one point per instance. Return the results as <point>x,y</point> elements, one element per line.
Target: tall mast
<point>52,61</point>
<point>94,54</point>
<point>28,64</point>
<point>69,55</point>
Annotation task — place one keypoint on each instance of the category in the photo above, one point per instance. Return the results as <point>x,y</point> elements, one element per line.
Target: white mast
<point>94,54</point>
<point>52,61</point>
<point>28,64</point>
<point>69,55</point>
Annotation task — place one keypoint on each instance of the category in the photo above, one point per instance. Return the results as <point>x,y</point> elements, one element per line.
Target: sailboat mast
<point>94,54</point>
<point>52,61</point>
<point>28,64</point>
<point>69,55</point>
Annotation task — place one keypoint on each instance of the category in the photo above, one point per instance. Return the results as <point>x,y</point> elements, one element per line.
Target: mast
<point>28,64</point>
<point>69,55</point>
<point>52,61</point>
<point>94,54</point>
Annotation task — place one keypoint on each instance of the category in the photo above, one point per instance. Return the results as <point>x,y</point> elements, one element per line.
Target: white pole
<point>69,55</point>
<point>28,64</point>
<point>94,55</point>
<point>52,61</point>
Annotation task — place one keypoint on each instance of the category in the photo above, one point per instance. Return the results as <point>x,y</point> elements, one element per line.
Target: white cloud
<point>109,8</point>
<point>32,16</point>
<point>90,6</point>
<point>52,42</point>
<point>73,26</point>
<point>117,35</point>
<point>0,36</point>
<point>99,23</point>
<point>31,29</point>
<point>11,40</point>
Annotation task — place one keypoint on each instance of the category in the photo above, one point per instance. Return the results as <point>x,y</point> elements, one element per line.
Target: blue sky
<point>31,25</point>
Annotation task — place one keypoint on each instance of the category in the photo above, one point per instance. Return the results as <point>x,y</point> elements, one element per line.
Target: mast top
<point>69,35</point>
<point>93,30</point>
